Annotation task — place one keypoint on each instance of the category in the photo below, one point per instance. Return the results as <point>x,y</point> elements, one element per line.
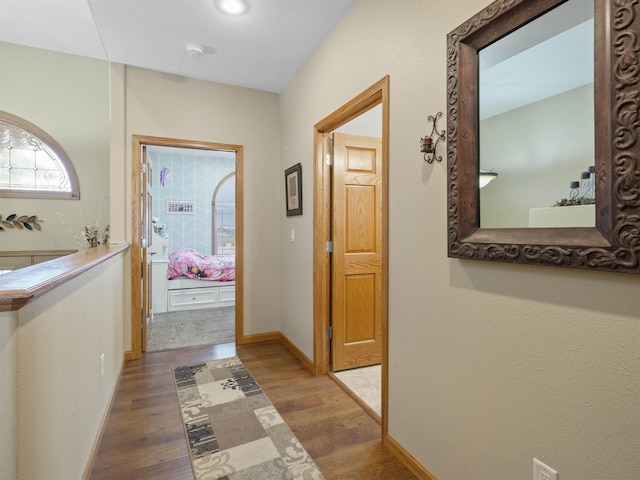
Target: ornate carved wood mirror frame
<point>614,243</point>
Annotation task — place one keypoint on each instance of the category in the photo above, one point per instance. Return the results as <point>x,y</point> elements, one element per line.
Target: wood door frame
<point>377,94</point>
<point>136,204</point>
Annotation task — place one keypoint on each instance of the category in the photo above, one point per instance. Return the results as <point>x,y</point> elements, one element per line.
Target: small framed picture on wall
<point>180,208</point>
<point>293,190</point>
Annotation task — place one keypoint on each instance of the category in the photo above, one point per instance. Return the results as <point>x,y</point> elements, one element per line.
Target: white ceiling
<point>262,49</point>
<point>551,55</point>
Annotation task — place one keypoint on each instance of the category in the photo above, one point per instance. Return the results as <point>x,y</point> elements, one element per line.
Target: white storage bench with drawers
<point>189,294</point>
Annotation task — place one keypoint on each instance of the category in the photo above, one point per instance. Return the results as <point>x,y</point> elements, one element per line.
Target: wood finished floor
<point>144,437</point>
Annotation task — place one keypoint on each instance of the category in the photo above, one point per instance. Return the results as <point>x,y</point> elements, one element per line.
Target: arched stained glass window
<point>32,163</point>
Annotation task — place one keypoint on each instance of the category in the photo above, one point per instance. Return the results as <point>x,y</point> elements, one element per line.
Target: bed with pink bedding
<point>197,281</point>
<point>187,262</point>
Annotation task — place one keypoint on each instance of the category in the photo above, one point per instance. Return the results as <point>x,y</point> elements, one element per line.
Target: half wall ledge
<point>21,286</point>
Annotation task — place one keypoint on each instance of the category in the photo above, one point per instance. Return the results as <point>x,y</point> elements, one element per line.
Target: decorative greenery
<point>572,203</point>
<point>22,222</point>
<point>95,237</point>
<point>94,234</point>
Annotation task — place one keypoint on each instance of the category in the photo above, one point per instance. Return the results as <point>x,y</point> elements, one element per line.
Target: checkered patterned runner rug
<point>233,430</point>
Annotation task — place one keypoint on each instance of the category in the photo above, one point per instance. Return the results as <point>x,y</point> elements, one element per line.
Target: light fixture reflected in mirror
<point>486,177</point>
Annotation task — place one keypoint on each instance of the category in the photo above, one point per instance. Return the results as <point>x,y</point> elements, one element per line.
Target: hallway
<point>144,438</point>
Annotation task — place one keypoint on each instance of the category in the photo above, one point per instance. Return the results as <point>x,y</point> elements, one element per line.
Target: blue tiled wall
<point>189,178</point>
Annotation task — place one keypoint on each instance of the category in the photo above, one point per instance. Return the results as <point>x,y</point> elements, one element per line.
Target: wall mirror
<point>525,101</point>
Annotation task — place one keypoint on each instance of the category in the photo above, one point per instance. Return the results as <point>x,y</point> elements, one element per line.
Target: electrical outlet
<point>543,472</point>
<point>102,365</point>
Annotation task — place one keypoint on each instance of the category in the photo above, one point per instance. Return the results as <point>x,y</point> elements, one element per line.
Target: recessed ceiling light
<point>233,7</point>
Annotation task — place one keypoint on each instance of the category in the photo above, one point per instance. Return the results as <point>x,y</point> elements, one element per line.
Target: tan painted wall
<point>536,150</point>
<point>62,396</point>
<point>68,97</point>
<point>490,365</point>
<point>162,105</point>
<point>43,371</point>
<point>9,395</point>
<point>53,395</point>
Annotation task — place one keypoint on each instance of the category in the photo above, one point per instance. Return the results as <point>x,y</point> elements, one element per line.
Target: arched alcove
<point>223,215</point>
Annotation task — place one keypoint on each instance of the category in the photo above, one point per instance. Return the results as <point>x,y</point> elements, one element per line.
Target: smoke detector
<point>195,50</point>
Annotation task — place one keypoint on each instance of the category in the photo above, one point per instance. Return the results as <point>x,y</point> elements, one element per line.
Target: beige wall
<point>536,150</point>
<point>161,105</point>
<point>490,365</point>
<point>62,395</point>
<point>68,97</point>
<point>53,395</point>
<point>9,395</point>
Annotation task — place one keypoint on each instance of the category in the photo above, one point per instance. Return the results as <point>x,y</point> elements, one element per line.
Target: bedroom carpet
<point>234,432</point>
<point>189,328</point>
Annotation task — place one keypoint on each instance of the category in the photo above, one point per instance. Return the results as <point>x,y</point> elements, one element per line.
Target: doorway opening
<point>361,182</point>
<point>192,247</point>
<point>184,192</point>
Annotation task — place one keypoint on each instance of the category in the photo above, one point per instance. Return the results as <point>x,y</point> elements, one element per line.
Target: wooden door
<point>357,251</point>
<point>146,253</point>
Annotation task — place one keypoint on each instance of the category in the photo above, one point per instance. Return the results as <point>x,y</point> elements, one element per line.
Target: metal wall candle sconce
<point>427,144</point>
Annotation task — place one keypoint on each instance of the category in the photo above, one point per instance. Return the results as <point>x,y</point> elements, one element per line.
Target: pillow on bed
<point>189,263</point>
